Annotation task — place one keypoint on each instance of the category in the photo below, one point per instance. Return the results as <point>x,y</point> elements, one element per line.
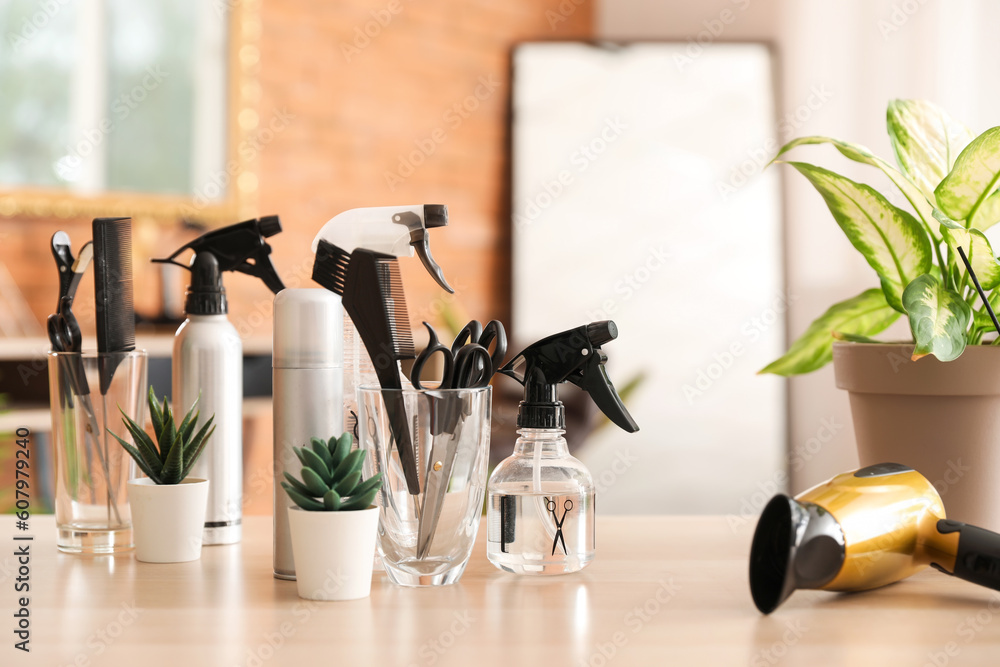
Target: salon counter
<point>662,591</point>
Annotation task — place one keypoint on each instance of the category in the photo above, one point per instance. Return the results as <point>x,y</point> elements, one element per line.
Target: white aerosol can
<point>308,361</point>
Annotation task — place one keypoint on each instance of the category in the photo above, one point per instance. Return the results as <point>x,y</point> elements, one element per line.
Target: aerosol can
<point>207,363</point>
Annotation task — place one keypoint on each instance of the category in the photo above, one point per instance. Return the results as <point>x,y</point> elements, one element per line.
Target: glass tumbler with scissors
<point>92,512</point>
<point>426,539</point>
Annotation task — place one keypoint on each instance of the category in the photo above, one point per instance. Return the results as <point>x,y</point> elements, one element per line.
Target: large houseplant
<point>333,523</point>
<point>937,417</point>
<point>168,508</point>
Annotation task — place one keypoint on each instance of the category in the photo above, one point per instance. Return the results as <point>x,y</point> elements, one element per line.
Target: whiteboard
<point>638,195</point>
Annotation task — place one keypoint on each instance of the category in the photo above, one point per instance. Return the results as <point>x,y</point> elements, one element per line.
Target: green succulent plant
<point>177,448</point>
<point>331,477</point>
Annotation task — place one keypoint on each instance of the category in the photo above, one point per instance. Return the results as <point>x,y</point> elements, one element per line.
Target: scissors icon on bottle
<point>551,506</point>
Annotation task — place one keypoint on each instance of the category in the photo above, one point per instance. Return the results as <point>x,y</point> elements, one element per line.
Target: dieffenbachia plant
<point>950,181</point>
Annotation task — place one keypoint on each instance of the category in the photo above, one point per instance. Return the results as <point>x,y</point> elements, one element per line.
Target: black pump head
<point>571,356</point>
<point>240,247</point>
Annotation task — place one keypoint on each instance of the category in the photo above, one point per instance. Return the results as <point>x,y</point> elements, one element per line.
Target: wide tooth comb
<point>113,293</point>
<point>330,267</point>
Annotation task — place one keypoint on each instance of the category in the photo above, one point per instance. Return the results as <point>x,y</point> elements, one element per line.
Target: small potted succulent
<point>930,403</point>
<point>333,523</point>
<point>168,509</point>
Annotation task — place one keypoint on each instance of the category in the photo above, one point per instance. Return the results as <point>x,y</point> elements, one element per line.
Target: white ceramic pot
<point>333,552</point>
<point>168,519</point>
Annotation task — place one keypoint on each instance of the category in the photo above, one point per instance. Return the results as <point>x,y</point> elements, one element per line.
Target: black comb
<point>113,294</point>
<point>373,297</point>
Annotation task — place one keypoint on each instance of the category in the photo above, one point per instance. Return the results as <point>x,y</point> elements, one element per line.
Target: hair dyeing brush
<point>373,297</point>
<point>113,294</point>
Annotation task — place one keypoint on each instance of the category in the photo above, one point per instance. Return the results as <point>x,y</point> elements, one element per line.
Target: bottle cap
<point>308,329</point>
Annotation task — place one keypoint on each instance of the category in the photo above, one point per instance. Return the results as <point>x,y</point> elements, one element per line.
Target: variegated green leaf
<point>855,338</point>
<point>939,318</point>
<point>891,239</point>
<point>866,314</point>
<point>859,153</point>
<point>967,192</point>
<point>989,213</point>
<point>977,248</point>
<point>926,141</point>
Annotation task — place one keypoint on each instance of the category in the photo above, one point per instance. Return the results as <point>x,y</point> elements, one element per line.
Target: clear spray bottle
<point>541,511</point>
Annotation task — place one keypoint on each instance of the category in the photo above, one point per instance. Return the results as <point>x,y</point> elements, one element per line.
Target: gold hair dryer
<point>862,530</point>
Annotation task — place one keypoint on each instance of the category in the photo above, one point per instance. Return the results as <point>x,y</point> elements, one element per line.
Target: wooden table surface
<point>662,591</point>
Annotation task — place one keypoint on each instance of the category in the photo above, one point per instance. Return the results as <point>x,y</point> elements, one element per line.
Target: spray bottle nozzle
<point>269,226</point>
<point>393,230</point>
<point>571,356</point>
<point>240,247</point>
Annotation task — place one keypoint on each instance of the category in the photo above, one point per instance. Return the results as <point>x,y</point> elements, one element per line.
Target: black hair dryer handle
<point>978,556</point>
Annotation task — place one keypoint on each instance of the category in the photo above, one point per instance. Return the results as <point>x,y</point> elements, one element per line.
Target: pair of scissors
<point>493,333</point>
<point>465,366</point>
<point>468,364</point>
<point>551,506</point>
<point>63,329</point>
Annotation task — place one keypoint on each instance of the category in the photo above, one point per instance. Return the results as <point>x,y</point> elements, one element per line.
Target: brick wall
<point>425,100</point>
<point>416,113</point>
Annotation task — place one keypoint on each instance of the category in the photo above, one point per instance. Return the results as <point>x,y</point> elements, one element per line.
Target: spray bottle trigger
<point>421,243</point>
<point>593,379</point>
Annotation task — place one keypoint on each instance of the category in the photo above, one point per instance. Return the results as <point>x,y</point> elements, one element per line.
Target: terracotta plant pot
<point>168,519</point>
<point>941,419</point>
<point>334,552</point>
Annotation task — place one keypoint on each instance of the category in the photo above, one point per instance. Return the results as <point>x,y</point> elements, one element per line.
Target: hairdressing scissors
<point>552,506</point>
<point>465,366</point>
<point>63,329</point>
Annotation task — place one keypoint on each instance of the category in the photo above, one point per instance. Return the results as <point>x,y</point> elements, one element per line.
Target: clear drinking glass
<point>449,428</point>
<point>92,468</point>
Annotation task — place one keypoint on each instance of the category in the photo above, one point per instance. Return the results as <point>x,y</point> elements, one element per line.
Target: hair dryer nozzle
<point>796,545</point>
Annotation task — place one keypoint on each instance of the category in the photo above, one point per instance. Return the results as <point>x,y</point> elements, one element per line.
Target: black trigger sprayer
<point>541,494</point>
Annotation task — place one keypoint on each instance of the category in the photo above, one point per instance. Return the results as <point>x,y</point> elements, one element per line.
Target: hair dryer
<point>862,530</point>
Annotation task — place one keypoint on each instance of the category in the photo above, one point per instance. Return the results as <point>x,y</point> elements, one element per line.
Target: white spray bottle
<point>394,230</point>
<point>208,361</point>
